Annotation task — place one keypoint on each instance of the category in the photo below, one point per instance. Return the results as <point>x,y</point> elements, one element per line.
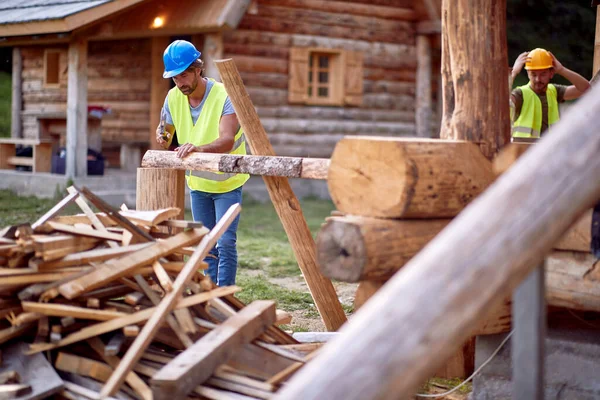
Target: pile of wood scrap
<point>102,304</point>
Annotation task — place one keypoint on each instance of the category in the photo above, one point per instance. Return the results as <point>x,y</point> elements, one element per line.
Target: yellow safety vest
<point>529,123</point>
<point>205,131</point>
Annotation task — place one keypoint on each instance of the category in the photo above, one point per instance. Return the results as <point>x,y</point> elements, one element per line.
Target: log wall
<point>118,78</point>
<point>261,47</point>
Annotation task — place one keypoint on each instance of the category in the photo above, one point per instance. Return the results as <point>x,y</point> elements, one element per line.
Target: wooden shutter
<point>298,75</point>
<point>353,78</point>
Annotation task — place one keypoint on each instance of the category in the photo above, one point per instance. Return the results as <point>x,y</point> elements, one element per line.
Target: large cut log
<point>290,167</point>
<point>469,268</point>
<point>352,248</point>
<point>406,178</point>
<point>285,202</point>
<point>474,51</point>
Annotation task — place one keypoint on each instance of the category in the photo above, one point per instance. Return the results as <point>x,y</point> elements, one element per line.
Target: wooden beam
<point>195,365</point>
<point>290,167</point>
<point>284,200</point>
<point>86,257</point>
<point>118,268</point>
<point>76,157</point>
<point>169,301</point>
<point>159,86</point>
<point>423,109</point>
<point>493,244</point>
<point>17,94</point>
<point>431,178</point>
<point>65,310</point>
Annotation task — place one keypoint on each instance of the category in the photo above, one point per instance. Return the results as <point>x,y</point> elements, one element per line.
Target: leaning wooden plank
<point>54,210</point>
<point>132,378</point>
<point>60,253</point>
<point>135,318</point>
<point>284,200</point>
<point>289,167</point>
<point>113,214</point>
<point>34,370</point>
<point>87,257</point>
<point>493,244</point>
<point>169,301</point>
<point>65,310</point>
<point>196,364</point>
<point>115,269</point>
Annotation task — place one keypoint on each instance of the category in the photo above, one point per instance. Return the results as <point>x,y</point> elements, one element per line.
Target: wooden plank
<point>34,370</point>
<point>87,257</point>
<point>285,202</point>
<point>82,366</point>
<point>54,210</point>
<point>169,301</point>
<point>65,310</point>
<point>115,269</point>
<point>291,167</point>
<point>135,318</point>
<point>195,365</point>
<point>152,217</point>
<point>496,242</point>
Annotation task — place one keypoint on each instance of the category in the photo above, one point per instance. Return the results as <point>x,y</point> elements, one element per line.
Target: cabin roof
<point>19,11</point>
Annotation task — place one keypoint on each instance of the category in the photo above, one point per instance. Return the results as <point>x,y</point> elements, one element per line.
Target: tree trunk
<point>474,71</point>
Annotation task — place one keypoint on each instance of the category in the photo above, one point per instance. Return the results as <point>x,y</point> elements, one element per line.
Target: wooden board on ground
<point>34,370</point>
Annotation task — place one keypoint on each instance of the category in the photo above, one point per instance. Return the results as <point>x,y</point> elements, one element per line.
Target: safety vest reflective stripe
<point>524,132</point>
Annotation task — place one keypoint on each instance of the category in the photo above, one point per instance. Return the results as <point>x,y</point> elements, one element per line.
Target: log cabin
<point>315,70</point>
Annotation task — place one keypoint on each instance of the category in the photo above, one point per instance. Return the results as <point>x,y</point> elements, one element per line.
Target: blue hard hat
<point>178,56</point>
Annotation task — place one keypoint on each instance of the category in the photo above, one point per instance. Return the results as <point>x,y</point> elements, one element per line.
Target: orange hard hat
<point>540,59</point>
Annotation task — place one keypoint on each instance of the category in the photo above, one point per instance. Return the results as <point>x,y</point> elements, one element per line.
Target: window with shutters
<point>325,77</point>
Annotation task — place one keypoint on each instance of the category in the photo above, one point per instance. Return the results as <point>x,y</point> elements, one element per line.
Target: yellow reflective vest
<point>529,123</point>
<point>205,131</point>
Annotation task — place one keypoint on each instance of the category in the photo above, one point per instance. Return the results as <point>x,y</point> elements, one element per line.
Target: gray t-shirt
<point>227,107</point>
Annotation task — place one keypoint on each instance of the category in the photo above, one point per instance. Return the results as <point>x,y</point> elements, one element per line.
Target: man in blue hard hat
<point>200,111</point>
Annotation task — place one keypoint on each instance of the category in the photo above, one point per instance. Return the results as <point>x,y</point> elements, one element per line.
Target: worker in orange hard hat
<point>534,106</point>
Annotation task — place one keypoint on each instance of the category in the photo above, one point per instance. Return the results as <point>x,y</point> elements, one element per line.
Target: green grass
<point>259,288</point>
<point>15,209</point>
<point>5,100</point>
<point>262,242</point>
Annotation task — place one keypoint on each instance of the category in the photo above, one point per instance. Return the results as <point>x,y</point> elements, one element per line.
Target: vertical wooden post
<point>76,160</point>
<point>423,108</point>
<point>17,94</point>
<point>474,71</point>
<point>212,50</point>
<point>597,43</point>
<point>284,200</point>
<point>158,188</point>
<point>159,86</point>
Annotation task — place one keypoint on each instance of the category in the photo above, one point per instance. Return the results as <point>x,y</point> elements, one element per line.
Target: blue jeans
<point>208,208</point>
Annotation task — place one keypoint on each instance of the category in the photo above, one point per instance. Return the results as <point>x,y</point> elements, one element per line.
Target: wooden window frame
<point>344,81</point>
<point>335,71</point>
<point>48,52</point>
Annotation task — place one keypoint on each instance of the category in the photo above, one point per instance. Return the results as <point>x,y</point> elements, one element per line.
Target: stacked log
<point>394,195</point>
<point>79,291</point>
